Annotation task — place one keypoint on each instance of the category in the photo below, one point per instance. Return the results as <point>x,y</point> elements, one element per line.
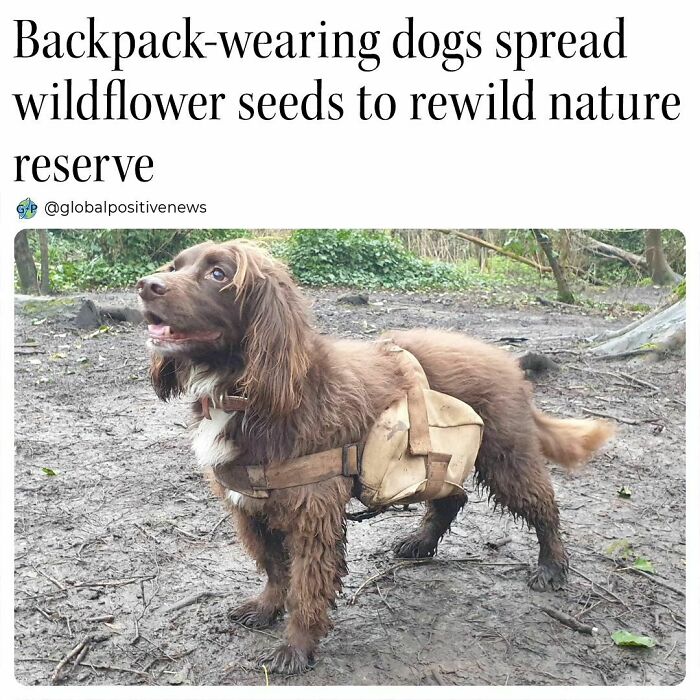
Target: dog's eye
<point>218,274</point>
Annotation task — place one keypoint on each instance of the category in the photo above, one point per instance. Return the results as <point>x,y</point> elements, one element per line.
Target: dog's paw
<point>254,614</point>
<point>286,659</point>
<point>415,546</point>
<point>548,577</point>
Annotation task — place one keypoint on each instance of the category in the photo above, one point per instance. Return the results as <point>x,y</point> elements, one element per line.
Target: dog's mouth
<point>161,333</point>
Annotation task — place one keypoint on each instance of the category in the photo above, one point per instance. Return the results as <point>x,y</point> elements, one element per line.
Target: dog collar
<point>228,404</point>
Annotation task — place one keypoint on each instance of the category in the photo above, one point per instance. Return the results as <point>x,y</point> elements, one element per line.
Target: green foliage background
<point>114,259</point>
<point>371,259</point>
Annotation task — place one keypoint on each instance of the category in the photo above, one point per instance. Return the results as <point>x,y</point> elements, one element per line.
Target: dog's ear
<point>276,332</point>
<point>164,376</point>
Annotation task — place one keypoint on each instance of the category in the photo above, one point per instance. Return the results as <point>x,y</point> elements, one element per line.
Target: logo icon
<point>26,209</point>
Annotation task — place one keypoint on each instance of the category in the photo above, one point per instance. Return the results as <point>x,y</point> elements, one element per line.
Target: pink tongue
<point>158,331</point>
<point>167,333</point>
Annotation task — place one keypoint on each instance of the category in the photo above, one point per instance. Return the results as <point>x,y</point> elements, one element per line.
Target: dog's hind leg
<point>267,548</point>
<point>520,482</point>
<point>436,522</point>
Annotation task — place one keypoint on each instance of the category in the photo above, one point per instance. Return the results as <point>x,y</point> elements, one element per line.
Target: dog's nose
<point>150,287</point>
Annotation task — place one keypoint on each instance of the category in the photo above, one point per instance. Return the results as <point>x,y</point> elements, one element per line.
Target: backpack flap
<point>421,448</point>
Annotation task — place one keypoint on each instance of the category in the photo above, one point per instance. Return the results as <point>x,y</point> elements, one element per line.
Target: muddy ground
<point>125,531</point>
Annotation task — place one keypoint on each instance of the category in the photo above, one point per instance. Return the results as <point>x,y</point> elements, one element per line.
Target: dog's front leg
<point>267,548</point>
<point>317,551</point>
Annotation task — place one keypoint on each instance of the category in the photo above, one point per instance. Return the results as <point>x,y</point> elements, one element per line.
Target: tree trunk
<point>659,332</point>
<point>26,268</point>
<point>44,247</point>
<point>659,269</point>
<point>482,253</point>
<point>564,292</point>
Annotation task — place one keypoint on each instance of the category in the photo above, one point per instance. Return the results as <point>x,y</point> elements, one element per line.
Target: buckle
<point>346,467</point>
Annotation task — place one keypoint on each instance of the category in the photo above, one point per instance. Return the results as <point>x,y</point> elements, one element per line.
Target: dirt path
<point>127,528</point>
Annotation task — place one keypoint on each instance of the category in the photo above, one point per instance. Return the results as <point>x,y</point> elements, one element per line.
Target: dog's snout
<point>151,287</point>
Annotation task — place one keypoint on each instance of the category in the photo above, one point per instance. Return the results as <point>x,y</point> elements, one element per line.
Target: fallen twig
<point>386,572</point>
<point>502,541</point>
<point>190,535</point>
<point>655,579</point>
<point>78,651</point>
<point>113,582</point>
<point>216,527</point>
<point>616,375</point>
<point>100,618</point>
<point>642,382</point>
<point>93,666</point>
<point>81,655</point>
<point>620,419</point>
<point>602,588</point>
<point>189,600</point>
<point>436,675</point>
<point>552,302</point>
<point>44,613</point>
<point>56,583</point>
<point>569,621</point>
<point>121,669</point>
<point>403,563</point>
<point>137,633</point>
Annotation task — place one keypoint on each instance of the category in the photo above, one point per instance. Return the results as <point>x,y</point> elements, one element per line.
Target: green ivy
<point>368,259</point>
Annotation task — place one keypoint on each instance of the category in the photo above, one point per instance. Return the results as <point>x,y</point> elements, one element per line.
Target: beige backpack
<point>421,448</point>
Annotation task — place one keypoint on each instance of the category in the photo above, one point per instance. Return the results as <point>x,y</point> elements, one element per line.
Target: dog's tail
<point>570,442</point>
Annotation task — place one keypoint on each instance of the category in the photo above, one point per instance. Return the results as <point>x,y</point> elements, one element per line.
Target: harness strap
<point>310,469</point>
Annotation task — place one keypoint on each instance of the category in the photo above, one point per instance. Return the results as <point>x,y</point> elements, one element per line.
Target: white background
<point>374,174</point>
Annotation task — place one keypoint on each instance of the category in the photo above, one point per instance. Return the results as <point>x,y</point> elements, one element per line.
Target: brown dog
<point>227,320</point>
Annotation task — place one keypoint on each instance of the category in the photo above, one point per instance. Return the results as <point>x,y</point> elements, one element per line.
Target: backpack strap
<point>419,432</point>
<point>436,463</point>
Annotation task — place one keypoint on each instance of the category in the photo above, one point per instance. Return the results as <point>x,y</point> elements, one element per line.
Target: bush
<point>362,258</point>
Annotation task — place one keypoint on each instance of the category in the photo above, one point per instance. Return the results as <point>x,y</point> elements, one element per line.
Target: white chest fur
<point>210,444</point>
<point>212,447</point>
<point>235,497</point>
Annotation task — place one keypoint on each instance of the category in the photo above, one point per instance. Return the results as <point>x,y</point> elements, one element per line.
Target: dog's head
<point>227,306</point>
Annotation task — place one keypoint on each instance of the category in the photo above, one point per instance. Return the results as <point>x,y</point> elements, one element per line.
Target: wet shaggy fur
<point>242,328</point>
